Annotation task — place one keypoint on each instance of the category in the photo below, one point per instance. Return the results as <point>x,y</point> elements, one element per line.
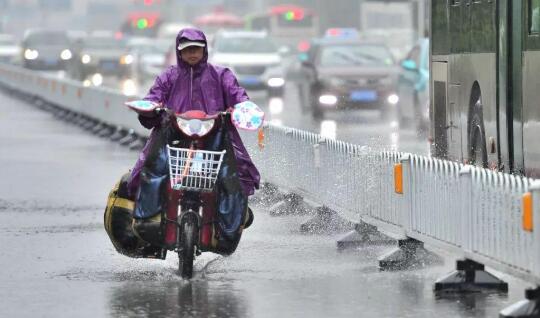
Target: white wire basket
<point>195,170</point>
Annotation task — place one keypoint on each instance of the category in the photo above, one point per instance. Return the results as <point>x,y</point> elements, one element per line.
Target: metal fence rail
<point>102,104</point>
<point>472,211</point>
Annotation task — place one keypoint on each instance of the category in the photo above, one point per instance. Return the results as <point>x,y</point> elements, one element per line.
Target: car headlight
<point>276,82</point>
<point>195,127</point>
<point>85,59</point>
<point>127,59</point>
<point>393,99</point>
<point>129,88</point>
<point>66,55</point>
<point>329,100</point>
<point>30,54</point>
<point>97,79</point>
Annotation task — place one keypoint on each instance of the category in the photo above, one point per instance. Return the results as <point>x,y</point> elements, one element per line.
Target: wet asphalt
<point>57,260</point>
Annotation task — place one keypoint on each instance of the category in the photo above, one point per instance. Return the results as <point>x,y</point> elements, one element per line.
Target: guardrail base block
<point>41,104</point>
<point>326,221</point>
<point>267,195</point>
<point>118,134</point>
<point>128,138</point>
<point>410,253</point>
<point>363,234</point>
<point>105,132</point>
<point>291,203</point>
<point>71,117</point>
<point>98,128</point>
<point>528,308</point>
<point>89,124</point>
<point>469,276</point>
<point>80,121</point>
<point>137,144</point>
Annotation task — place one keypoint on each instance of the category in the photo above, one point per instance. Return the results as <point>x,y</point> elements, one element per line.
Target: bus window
<point>534,16</point>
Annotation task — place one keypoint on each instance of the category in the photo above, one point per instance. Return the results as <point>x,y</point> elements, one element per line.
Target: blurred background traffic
<point>356,70</point>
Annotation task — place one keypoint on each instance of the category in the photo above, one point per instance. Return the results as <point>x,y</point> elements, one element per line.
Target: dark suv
<point>46,50</point>
<point>100,54</point>
<point>348,74</point>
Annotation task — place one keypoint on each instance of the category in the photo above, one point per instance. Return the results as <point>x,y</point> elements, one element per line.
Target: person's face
<point>192,54</point>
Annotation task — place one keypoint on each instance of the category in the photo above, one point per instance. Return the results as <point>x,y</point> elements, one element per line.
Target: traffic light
<point>142,23</point>
<point>293,15</point>
<point>144,20</point>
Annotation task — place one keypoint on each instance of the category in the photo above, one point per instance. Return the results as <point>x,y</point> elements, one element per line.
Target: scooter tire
<point>186,255</point>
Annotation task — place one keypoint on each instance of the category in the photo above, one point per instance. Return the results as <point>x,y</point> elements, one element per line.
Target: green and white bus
<point>485,83</point>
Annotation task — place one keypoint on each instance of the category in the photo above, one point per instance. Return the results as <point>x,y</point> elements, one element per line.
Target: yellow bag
<point>118,219</point>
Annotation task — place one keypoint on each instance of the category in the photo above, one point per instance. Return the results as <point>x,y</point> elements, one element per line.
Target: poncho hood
<point>191,34</point>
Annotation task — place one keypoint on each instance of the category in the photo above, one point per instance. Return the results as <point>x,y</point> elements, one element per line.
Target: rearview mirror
<point>143,107</point>
<point>247,115</point>
<point>409,65</point>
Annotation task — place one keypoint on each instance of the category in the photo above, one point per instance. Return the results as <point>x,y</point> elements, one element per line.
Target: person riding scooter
<point>193,84</point>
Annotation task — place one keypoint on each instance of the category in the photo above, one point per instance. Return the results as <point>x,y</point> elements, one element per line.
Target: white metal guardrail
<point>474,212</point>
<point>105,105</point>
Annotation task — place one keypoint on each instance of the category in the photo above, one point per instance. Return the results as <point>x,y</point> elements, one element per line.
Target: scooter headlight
<point>195,127</point>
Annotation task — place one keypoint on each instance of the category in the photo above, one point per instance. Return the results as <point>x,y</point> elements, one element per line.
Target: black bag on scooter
<point>118,221</point>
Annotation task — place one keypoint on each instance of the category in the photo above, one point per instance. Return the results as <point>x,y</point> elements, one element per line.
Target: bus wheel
<point>477,142</point>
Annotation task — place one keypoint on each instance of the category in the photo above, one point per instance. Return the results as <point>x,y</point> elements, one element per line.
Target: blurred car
<point>413,87</point>
<point>253,57</point>
<point>46,49</point>
<point>348,74</point>
<point>10,51</point>
<point>100,55</point>
<point>169,30</point>
<point>149,57</point>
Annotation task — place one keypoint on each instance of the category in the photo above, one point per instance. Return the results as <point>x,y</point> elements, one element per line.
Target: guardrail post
<point>410,252</point>
<point>407,189</point>
<point>465,181</point>
<point>535,192</point>
<point>469,276</point>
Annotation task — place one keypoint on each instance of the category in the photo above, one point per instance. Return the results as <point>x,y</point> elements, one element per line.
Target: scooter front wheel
<point>186,255</point>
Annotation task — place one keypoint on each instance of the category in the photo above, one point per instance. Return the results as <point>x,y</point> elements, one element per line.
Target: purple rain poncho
<point>205,87</point>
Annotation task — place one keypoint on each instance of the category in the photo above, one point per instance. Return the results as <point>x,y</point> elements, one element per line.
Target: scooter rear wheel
<point>186,255</point>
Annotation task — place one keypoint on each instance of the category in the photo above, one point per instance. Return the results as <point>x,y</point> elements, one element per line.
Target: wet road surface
<point>57,260</point>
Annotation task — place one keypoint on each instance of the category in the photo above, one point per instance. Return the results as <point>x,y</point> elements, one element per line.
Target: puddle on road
<point>74,228</point>
<point>147,270</point>
<point>35,206</point>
